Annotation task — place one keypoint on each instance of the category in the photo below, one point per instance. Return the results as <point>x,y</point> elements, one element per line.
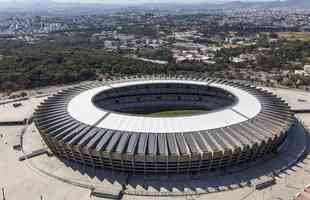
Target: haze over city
<point>131,1</point>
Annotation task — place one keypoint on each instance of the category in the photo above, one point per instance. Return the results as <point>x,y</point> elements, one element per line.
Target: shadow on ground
<point>293,152</point>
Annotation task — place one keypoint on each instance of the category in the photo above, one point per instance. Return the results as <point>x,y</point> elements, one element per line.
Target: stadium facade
<point>106,125</point>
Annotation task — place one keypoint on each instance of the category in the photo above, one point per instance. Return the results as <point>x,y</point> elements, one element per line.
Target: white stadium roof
<point>83,109</point>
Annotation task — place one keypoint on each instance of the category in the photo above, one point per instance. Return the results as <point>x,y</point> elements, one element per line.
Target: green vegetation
<point>62,59</point>
<point>140,30</point>
<point>176,113</point>
<point>26,66</point>
<point>155,54</point>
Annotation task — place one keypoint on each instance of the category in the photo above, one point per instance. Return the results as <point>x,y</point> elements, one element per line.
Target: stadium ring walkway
<point>94,124</point>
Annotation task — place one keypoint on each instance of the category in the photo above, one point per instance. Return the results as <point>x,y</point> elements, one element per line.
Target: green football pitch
<point>176,113</point>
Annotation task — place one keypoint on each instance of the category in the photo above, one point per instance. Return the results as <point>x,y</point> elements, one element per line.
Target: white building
<point>307,69</point>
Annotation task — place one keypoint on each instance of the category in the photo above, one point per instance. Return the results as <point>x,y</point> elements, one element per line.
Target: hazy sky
<point>125,1</point>
<point>136,1</point>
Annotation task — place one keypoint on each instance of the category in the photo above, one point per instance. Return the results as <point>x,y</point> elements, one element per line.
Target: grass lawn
<point>175,113</point>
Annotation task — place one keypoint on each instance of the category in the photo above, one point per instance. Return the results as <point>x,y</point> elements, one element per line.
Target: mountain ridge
<point>51,6</point>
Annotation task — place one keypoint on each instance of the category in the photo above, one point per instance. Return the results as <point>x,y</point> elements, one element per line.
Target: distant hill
<point>298,3</point>
<point>302,4</point>
<point>53,8</point>
<point>274,4</point>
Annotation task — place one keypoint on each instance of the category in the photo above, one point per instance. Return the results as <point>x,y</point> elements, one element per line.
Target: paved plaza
<point>52,179</point>
<point>297,99</point>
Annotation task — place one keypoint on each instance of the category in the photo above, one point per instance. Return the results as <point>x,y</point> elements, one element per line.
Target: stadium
<point>163,124</point>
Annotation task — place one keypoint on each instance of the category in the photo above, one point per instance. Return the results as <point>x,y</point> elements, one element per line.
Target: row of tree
<point>77,58</point>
